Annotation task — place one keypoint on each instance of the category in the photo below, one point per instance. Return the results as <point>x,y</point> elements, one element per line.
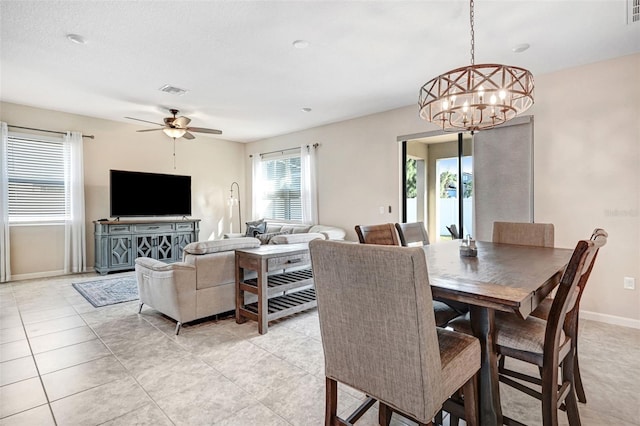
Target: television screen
<point>149,194</point>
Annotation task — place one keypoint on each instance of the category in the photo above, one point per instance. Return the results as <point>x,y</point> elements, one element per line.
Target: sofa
<point>202,285</point>
<point>283,232</point>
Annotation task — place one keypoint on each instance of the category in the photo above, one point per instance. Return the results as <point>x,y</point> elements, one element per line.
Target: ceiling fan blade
<point>148,130</point>
<point>181,122</point>
<point>204,130</point>
<point>145,121</point>
<point>188,135</point>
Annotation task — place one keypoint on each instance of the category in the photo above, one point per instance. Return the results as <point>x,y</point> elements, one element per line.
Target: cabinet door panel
<point>164,247</point>
<point>120,251</point>
<point>145,245</point>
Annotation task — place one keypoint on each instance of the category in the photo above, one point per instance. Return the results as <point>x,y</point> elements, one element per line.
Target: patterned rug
<point>108,291</point>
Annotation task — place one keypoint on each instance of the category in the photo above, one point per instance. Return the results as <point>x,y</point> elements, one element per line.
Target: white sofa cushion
<point>156,265</point>
<point>296,238</point>
<point>216,246</point>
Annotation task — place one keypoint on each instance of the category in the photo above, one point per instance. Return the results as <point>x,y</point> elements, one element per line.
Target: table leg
<point>483,326</point>
<point>239,292</point>
<point>263,302</point>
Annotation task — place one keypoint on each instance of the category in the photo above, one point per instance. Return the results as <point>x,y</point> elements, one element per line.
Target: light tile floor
<point>65,362</point>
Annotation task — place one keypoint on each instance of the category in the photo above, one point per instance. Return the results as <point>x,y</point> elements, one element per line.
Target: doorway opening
<point>433,192</point>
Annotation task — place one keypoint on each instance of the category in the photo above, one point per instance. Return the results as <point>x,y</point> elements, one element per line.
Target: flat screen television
<point>149,194</point>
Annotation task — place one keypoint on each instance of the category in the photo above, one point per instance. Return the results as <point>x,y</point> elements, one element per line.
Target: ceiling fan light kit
<point>177,127</point>
<point>476,97</point>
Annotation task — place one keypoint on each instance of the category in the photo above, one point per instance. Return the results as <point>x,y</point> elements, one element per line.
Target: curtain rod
<point>282,151</point>
<point>47,131</point>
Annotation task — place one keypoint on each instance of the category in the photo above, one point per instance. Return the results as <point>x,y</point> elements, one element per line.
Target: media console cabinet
<point>118,243</point>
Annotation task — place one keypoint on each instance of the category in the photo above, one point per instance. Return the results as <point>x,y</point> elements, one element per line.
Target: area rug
<point>108,291</point>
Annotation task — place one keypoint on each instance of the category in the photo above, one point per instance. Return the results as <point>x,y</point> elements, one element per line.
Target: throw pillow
<point>256,227</point>
<point>266,238</point>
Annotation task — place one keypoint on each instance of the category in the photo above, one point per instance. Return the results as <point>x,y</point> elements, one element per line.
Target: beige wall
<point>212,163</point>
<point>586,171</point>
<point>587,156</point>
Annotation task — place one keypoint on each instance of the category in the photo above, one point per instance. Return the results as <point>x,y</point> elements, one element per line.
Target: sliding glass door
<point>433,192</point>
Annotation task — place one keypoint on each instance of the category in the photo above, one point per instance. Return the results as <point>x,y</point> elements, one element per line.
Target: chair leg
<point>549,395</point>
<point>331,402</point>
<point>178,325</point>
<point>582,397</point>
<point>384,414</point>
<point>470,393</point>
<point>570,401</point>
<point>438,419</point>
<point>140,307</point>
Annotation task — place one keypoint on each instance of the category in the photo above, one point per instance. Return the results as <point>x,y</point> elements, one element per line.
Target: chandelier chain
<point>473,44</point>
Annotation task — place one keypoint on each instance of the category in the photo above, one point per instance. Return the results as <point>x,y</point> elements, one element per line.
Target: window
<point>281,182</point>
<point>36,178</point>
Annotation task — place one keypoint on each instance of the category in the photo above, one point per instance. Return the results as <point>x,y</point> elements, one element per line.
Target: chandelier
<point>476,97</point>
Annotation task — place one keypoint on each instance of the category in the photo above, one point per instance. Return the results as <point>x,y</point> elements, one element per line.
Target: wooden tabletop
<point>504,277</point>
<point>270,250</point>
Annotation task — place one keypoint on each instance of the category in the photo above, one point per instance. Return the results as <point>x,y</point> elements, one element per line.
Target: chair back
<point>523,233</point>
<point>412,233</point>
<point>453,230</point>
<point>384,234</point>
<point>576,272</point>
<point>377,323</point>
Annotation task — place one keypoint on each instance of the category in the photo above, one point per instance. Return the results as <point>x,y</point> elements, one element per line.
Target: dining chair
<point>571,326</point>
<point>546,344</point>
<point>379,334</point>
<point>412,234</point>
<point>385,234</point>
<point>453,230</point>
<point>523,233</point>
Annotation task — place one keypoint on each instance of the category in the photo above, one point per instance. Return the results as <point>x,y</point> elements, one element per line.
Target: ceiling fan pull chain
<point>174,153</point>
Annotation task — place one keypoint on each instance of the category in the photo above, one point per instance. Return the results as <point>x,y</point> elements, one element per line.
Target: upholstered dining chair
<point>524,233</point>
<point>379,334</point>
<point>384,234</point>
<point>546,344</point>
<point>571,324</point>
<point>387,234</point>
<point>412,234</point>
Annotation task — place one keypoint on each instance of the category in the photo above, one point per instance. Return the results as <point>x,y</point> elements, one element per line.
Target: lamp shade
<point>174,132</point>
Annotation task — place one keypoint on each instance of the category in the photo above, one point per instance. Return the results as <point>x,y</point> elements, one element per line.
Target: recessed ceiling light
<point>76,38</point>
<point>519,48</point>
<point>301,44</point>
<point>306,109</point>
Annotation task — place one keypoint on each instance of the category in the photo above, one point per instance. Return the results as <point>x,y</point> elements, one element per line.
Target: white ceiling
<point>244,76</point>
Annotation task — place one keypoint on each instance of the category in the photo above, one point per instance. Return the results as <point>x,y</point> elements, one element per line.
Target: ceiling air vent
<point>633,11</point>
<point>178,91</point>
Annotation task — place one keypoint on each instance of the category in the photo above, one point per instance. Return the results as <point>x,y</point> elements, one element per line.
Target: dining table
<point>502,277</point>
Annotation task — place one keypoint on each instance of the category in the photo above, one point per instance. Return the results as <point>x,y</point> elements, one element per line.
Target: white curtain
<point>75,253</point>
<point>308,186</point>
<point>5,258</point>
<point>257,202</point>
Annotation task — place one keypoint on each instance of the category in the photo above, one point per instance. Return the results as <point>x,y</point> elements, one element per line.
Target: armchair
<point>202,285</point>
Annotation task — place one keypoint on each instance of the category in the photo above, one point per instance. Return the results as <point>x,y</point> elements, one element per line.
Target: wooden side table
<point>282,270</point>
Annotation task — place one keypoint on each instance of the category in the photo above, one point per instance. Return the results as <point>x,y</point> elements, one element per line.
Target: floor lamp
<point>233,201</point>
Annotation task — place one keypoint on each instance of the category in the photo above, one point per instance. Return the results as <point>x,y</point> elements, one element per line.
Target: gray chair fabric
<point>378,327</point>
<point>524,233</point>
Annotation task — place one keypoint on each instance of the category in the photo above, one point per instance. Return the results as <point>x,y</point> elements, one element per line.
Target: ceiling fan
<point>177,127</point>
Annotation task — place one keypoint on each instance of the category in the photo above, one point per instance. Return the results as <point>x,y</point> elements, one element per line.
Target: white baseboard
<point>610,319</point>
<point>36,275</point>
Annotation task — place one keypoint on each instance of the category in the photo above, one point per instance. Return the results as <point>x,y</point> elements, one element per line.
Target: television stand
<point>118,243</point>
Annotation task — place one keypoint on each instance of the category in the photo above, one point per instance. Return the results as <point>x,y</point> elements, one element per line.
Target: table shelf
<point>287,304</point>
<point>279,283</point>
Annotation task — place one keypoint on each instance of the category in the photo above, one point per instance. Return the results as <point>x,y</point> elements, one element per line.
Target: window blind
<point>281,188</point>
<point>36,179</point>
